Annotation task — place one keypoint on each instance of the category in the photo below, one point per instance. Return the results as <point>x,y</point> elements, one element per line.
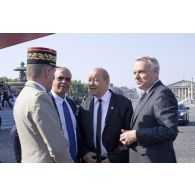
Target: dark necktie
<point>98,131</point>
<point>142,97</point>
<point>70,130</point>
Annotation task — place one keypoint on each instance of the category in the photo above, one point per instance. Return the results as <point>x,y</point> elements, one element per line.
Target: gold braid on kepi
<point>41,55</point>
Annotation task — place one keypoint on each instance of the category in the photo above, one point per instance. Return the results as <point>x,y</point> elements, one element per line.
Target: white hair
<point>153,62</point>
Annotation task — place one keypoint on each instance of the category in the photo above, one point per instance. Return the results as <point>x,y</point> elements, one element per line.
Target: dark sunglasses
<point>68,79</point>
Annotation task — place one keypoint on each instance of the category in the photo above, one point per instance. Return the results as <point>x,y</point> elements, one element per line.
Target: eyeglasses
<point>60,79</point>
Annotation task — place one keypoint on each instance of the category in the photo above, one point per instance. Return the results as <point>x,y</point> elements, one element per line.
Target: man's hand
<point>128,137</point>
<point>90,157</point>
<point>105,161</point>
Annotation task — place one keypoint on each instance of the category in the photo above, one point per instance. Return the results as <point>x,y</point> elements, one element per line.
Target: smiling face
<point>98,82</point>
<point>62,81</point>
<point>145,75</point>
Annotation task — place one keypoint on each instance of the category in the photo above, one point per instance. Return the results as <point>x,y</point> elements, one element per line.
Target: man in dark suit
<point>60,88</point>
<point>6,98</point>
<point>101,132</point>
<point>155,120</point>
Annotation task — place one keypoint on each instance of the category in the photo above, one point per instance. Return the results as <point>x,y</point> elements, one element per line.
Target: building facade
<point>183,89</point>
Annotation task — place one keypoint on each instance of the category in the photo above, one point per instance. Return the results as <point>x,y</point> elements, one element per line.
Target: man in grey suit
<point>154,123</point>
<point>36,118</point>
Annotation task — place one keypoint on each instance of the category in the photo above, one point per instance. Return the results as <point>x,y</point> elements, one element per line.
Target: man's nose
<point>91,82</point>
<point>136,75</point>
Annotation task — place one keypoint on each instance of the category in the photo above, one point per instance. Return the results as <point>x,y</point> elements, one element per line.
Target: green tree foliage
<point>5,79</point>
<point>78,90</point>
<point>118,90</point>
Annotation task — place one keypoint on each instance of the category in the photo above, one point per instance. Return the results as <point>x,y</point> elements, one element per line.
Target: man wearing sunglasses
<point>66,109</point>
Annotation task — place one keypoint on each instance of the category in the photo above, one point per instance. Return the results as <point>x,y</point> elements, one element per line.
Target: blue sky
<point>116,52</point>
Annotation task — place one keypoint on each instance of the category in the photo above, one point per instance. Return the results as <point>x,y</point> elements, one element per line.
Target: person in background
<point>154,125</point>
<point>6,98</point>
<point>15,141</point>
<point>36,119</point>
<point>1,95</point>
<point>101,118</point>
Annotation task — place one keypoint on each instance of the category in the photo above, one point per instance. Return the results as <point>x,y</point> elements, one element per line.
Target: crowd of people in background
<point>7,97</point>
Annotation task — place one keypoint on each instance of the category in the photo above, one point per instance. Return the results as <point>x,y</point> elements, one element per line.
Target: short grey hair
<point>64,69</point>
<point>35,70</point>
<point>153,62</point>
<point>104,72</point>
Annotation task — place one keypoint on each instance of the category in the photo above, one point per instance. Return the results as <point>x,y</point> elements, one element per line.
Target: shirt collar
<point>57,97</point>
<point>105,97</point>
<point>148,90</point>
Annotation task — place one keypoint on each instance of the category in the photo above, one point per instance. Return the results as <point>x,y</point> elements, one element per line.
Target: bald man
<point>101,118</point>
<point>60,88</point>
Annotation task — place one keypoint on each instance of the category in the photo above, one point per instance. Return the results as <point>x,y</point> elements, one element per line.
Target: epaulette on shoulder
<point>38,93</point>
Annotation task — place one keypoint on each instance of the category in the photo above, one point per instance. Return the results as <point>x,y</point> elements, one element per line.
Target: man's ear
<point>156,70</point>
<point>47,73</point>
<point>108,81</point>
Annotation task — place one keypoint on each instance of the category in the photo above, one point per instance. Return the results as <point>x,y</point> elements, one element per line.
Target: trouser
<point>7,100</point>
<point>16,144</point>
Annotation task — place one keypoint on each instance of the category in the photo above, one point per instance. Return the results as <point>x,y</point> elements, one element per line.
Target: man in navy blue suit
<point>154,123</point>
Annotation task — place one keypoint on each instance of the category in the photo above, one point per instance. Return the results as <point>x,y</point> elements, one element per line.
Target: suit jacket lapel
<point>111,108</point>
<point>75,112</point>
<point>91,107</point>
<point>139,107</point>
<point>73,107</point>
<point>54,102</point>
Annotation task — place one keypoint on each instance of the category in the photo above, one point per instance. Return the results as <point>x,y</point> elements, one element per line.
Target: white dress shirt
<point>59,102</point>
<point>105,104</point>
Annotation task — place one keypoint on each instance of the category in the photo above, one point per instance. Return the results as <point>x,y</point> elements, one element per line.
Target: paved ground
<point>6,151</point>
<point>184,144</point>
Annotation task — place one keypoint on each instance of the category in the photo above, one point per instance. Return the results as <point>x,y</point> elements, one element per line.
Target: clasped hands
<point>90,157</point>
<point>128,137</point>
